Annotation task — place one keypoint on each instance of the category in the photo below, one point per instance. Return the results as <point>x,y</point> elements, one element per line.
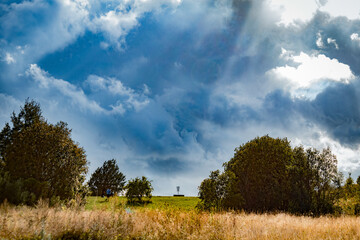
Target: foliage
<point>300,178</point>
<point>40,158</point>
<point>314,180</point>
<point>266,174</point>
<point>350,188</point>
<point>20,191</point>
<point>212,191</point>
<point>137,189</point>
<point>324,180</point>
<point>260,173</point>
<point>349,203</point>
<point>105,177</point>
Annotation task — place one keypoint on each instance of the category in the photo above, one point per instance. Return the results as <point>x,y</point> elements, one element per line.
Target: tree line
<point>39,160</point>
<point>267,174</point>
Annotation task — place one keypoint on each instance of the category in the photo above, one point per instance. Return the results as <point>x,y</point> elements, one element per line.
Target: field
<point>176,203</point>
<point>165,218</point>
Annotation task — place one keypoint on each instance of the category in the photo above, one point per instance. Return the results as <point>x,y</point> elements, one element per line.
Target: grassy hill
<point>158,202</point>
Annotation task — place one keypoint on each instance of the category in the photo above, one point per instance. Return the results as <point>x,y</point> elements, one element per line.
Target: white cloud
<point>294,10</point>
<point>333,41</point>
<point>112,85</point>
<point>178,65</point>
<point>146,89</point>
<point>319,41</point>
<point>118,109</point>
<point>303,10</point>
<point>116,87</point>
<point>355,38</point>
<point>9,58</point>
<point>77,95</point>
<point>20,49</point>
<point>201,17</point>
<point>346,8</point>
<point>130,99</point>
<point>115,25</point>
<point>312,73</point>
<point>118,22</point>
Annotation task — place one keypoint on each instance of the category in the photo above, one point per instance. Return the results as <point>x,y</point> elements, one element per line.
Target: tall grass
<point>121,223</point>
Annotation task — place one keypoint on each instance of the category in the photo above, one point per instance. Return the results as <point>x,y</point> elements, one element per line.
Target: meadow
<point>157,202</point>
<point>165,218</point>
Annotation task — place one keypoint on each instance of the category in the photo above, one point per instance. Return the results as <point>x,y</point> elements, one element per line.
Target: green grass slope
<point>158,202</point>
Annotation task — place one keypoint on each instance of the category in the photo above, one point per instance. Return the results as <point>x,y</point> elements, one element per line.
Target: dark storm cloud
<point>337,109</point>
<point>167,166</point>
<point>280,105</point>
<point>339,29</point>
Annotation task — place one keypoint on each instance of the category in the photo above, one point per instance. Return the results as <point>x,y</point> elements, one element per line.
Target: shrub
<point>138,189</point>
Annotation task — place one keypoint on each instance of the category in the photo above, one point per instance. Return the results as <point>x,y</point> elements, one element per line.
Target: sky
<point>169,88</point>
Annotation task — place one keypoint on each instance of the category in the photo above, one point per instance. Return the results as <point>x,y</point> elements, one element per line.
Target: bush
<point>138,190</point>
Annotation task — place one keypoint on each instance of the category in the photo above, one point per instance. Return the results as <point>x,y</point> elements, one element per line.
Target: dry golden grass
<point>59,223</point>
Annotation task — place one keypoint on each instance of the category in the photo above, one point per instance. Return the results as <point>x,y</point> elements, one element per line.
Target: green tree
<point>324,179</point>
<point>314,180</point>
<point>300,182</point>
<point>29,114</point>
<point>42,156</point>
<point>108,176</point>
<point>138,189</point>
<point>358,188</point>
<point>5,139</point>
<point>212,191</point>
<point>260,175</point>
<point>349,187</point>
